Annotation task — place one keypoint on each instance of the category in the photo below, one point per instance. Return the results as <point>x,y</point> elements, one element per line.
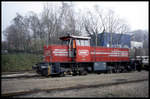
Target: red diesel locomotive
<point>75,56</point>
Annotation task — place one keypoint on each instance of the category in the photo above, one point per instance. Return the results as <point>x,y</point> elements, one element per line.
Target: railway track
<point>27,75</point>
<point>23,76</point>
<point>20,75</point>
<point>118,82</point>
<point>17,72</point>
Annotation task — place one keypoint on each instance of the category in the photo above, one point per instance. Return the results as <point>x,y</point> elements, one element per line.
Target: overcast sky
<point>135,13</point>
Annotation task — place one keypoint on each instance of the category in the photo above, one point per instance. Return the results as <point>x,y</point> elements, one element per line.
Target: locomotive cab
<point>78,47</point>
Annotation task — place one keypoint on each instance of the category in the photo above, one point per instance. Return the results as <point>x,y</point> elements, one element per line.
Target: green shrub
<point>19,62</point>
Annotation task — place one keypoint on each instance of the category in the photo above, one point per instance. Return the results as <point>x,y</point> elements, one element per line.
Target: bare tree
<point>35,31</point>
<point>92,26</point>
<point>68,18</point>
<point>12,37</point>
<point>101,21</point>
<point>94,23</point>
<point>50,19</point>
<point>16,34</point>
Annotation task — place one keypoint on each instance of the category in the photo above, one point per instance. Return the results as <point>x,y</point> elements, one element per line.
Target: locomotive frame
<point>77,57</point>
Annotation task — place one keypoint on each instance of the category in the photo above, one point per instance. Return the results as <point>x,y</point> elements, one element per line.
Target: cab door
<point>72,49</point>
<point>83,50</point>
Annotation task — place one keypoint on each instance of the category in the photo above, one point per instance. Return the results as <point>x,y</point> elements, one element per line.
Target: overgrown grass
<point>19,62</point>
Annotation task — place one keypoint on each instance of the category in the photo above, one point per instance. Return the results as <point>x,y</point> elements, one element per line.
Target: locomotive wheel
<point>110,71</point>
<point>84,73</point>
<point>74,74</point>
<point>139,70</point>
<point>114,70</point>
<point>62,74</point>
<point>118,70</point>
<point>38,71</point>
<point>44,73</point>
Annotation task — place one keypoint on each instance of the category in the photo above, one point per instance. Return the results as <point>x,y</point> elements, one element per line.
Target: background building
<point>118,40</point>
<point>135,44</point>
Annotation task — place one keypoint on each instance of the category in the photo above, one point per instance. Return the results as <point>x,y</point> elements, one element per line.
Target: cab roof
<point>74,37</point>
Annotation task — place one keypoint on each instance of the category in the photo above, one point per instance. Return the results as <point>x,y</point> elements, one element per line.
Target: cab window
<point>86,42</point>
<point>83,42</point>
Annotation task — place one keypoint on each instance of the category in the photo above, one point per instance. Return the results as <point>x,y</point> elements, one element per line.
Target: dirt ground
<point>124,90</point>
<point>139,89</point>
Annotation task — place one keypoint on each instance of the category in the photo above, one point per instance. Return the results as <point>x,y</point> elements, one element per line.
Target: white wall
<point>136,44</point>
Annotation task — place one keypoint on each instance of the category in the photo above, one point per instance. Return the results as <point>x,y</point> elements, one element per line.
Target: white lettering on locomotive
<point>83,52</point>
<point>113,53</point>
<point>60,52</point>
